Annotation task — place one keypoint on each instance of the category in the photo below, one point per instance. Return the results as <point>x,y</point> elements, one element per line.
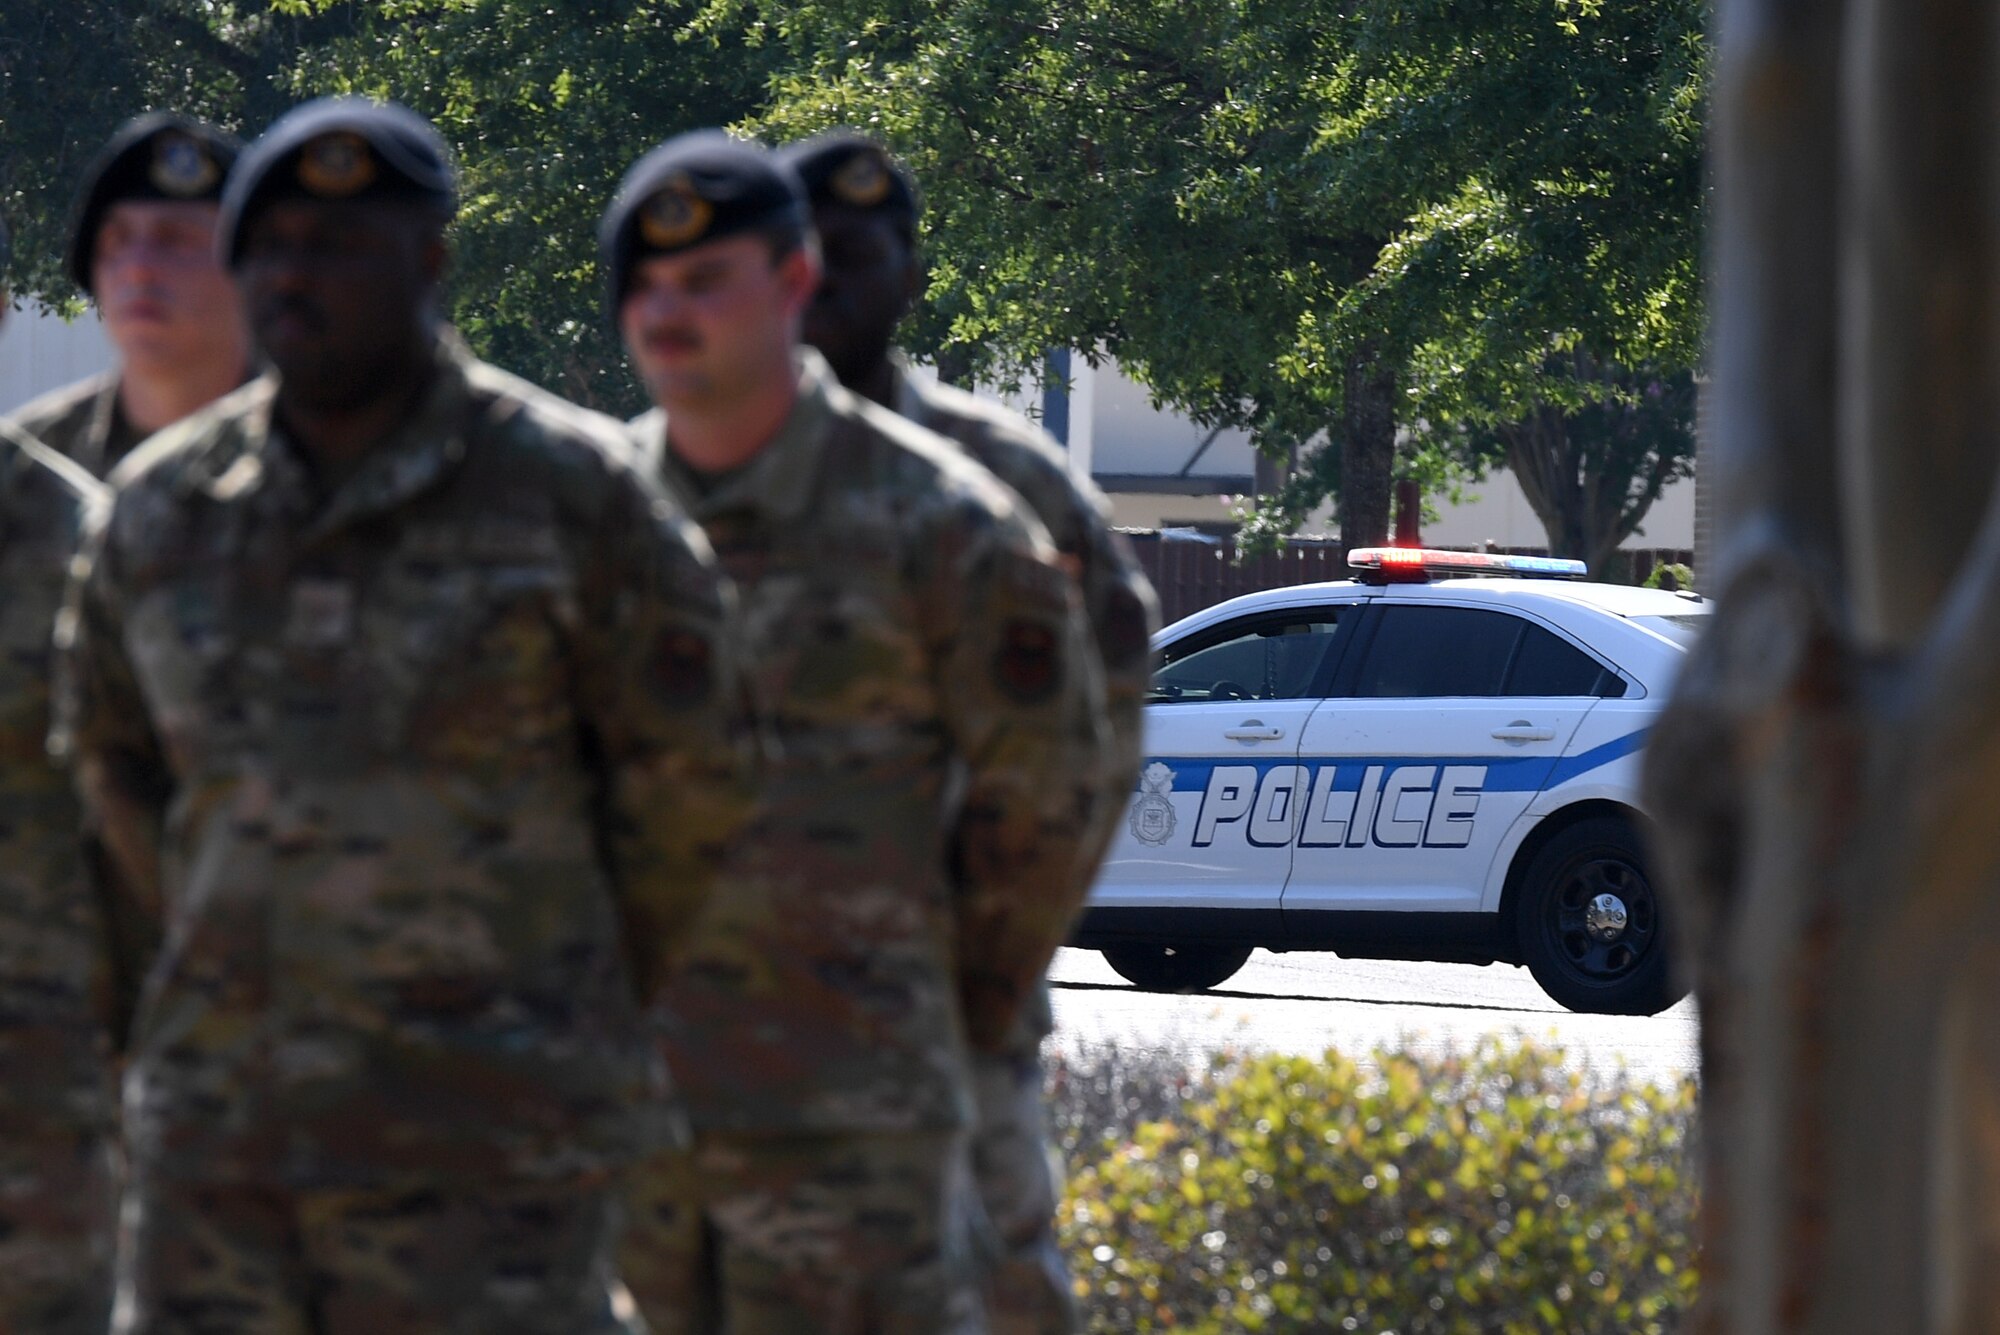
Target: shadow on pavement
<point>1349,1001</point>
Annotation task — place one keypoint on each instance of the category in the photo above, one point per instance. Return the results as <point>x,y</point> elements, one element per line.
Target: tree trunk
<point>1367,451</point>
<point>1584,502</point>
<point>1823,777</point>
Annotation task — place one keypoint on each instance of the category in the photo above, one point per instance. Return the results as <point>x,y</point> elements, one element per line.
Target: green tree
<point>1284,216</point>
<point>545,108</point>
<point>1590,472</point>
<point>72,70</point>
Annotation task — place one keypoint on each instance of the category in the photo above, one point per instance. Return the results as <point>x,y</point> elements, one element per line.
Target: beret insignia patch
<point>181,167</point>
<point>683,668</point>
<point>863,180</point>
<point>674,215</point>
<point>1029,666</point>
<point>336,165</point>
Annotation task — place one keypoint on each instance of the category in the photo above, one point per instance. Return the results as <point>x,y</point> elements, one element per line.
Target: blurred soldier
<point>57,1106</point>
<point>383,674</point>
<point>865,211</point>
<point>922,661</point>
<point>142,245</point>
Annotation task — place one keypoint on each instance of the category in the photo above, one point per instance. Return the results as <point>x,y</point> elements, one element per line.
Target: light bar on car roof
<point>1416,563</point>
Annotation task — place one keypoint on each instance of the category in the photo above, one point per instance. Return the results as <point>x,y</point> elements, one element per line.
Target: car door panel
<point>1213,821</point>
<point>1422,789</point>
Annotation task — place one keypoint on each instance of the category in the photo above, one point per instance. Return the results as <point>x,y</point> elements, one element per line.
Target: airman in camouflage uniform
<point>921,659</point>
<point>57,1105</point>
<point>865,211</point>
<point>142,244</point>
<point>399,693</point>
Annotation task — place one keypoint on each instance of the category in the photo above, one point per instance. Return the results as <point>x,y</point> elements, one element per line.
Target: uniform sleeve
<point>1123,614</point>
<point>659,687</point>
<point>104,729</point>
<point>1024,700</point>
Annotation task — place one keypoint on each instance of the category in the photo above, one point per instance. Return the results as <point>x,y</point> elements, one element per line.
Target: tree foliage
<point>1590,471</point>
<point>1303,219</point>
<point>545,116</point>
<point>1248,201</point>
<point>72,70</point>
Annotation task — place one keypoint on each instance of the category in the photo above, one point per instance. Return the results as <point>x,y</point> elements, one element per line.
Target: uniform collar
<point>405,463</point>
<point>780,481</point>
<point>21,453</point>
<point>94,450</point>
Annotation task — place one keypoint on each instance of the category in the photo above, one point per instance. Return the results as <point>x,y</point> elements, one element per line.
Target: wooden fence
<point>1190,575</point>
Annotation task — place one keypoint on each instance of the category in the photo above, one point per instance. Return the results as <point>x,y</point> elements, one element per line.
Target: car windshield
<point>1683,629</point>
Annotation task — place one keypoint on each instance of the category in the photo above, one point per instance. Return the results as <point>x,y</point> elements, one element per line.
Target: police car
<point>1405,766</point>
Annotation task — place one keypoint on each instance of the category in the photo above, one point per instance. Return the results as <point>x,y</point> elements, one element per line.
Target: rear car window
<point>1470,651</point>
<point>1547,664</point>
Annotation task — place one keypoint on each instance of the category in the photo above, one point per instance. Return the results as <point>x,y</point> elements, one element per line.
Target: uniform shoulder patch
<point>1028,665</point>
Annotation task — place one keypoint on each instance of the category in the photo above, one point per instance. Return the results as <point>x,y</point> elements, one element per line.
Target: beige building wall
<point>40,352</point>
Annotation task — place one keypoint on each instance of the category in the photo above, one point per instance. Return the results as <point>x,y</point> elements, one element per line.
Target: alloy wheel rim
<point>1605,919</point>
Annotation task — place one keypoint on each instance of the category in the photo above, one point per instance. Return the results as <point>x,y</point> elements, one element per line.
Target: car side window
<point>1438,651</point>
<point>1283,656</point>
<point>1471,651</point>
<point>1547,664</point>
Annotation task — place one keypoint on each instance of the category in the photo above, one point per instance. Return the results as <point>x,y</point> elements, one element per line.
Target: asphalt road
<point>1307,1003</point>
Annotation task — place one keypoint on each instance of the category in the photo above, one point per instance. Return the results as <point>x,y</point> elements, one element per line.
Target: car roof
<point>1621,600</point>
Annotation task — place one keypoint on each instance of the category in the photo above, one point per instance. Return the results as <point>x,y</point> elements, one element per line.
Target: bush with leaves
<point>1491,1193</point>
<point>1670,575</point>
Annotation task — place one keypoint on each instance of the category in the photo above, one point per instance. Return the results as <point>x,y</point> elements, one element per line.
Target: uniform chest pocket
<point>839,658</point>
<point>184,643</point>
<point>466,656</point>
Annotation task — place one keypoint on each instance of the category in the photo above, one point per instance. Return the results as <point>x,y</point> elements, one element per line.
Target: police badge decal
<point>1152,818</point>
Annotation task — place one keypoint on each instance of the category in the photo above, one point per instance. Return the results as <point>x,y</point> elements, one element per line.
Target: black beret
<point>693,189</point>
<point>847,167</point>
<point>160,155</point>
<point>339,148</point>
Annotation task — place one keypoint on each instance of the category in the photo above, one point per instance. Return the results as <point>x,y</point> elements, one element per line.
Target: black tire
<point>1157,968</point>
<point>1581,963</point>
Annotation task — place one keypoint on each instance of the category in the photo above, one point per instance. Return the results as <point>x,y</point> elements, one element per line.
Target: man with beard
<point>57,1107</point>
<point>865,211</point>
<point>936,711</point>
<point>399,695</point>
<point>143,246</point>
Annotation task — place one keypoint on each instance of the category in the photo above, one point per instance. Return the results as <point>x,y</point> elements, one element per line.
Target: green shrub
<point>1670,575</point>
<point>1491,1194</point>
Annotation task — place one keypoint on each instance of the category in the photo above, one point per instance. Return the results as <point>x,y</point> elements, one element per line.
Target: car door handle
<point>1253,730</point>
<point>1520,730</point>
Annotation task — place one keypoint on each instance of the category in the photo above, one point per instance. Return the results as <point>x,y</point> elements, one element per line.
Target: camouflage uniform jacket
<point>1117,596</point>
<point>421,778</point>
<point>936,710</point>
<point>55,1051</point>
<point>82,422</point>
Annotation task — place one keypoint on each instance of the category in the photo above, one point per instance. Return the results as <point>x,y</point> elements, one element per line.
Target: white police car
<point>1403,767</point>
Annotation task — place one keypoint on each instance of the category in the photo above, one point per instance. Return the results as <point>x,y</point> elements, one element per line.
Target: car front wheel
<point>1589,922</point>
<point>1157,968</point>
